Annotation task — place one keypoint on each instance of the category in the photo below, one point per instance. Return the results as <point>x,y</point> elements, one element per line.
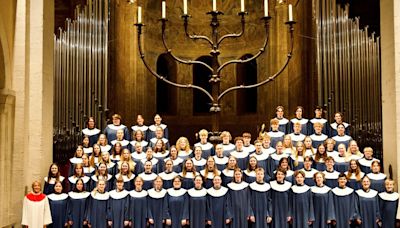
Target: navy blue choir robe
<point>333,129</point>
<point>309,178</point>
<point>128,181</point>
<point>346,210</point>
<point>143,144</point>
<point>319,165</point>
<point>276,136</point>
<point>345,139</point>
<point>198,211</point>
<point>152,131</point>
<point>138,211</point>
<point>98,209</point>
<point>168,178</point>
<point>352,181</point>
<point>324,211</point>
<point>124,144</point>
<point>72,162</point>
<point>207,149</point>
<point>138,157</point>
<point>153,141</point>
<point>377,181</point>
<point>73,179</point>
<point>280,203</point>
<point>331,178</point>
<point>262,160</point>
<point>157,166</point>
<point>109,182</point>
<point>301,206</point>
<point>183,154</point>
<point>111,132</point>
<point>249,148</point>
<point>324,122</point>
<point>112,168</point>
<point>148,179</point>
<point>297,137</point>
<point>242,158</point>
<point>106,148</point>
<point>268,150</point>
<point>284,125</point>
<point>208,180</point>
<point>177,164</point>
<point>318,139</point>
<point>368,208</point>
<point>239,202</point>
<point>296,165</point>
<point>93,135</point>
<point>160,156</point>
<point>365,164</point>
<point>142,128</point>
<point>249,176</point>
<point>260,203</point>
<point>187,180</point>
<point>228,148</point>
<point>219,210</point>
<point>49,184</point>
<point>156,207</point>
<point>199,164</point>
<point>220,162</point>
<point>119,208</point>
<point>341,164</point>
<point>177,206</point>
<point>304,125</point>
<point>388,203</point>
<point>227,176</point>
<point>273,162</point>
<point>77,208</point>
<point>89,170</point>
<point>58,207</point>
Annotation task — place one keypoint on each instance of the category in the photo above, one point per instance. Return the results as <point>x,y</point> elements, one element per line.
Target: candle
<point>214,5</point>
<point>290,12</point>
<point>265,8</point>
<point>185,8</point>
<point>163,10</point>
<point>242,5</point>
<point>139,15</point>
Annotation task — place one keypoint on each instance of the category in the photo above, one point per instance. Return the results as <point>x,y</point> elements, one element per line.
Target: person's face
<point>157,120</point>
<point>225,139</point>
<point>159,133</point>
<point>329,164</point>
<point>58,188</point>
<point>120,134</point>
<point>307,164</point>
<point>266,143</point>
<point>101,185</point>
<point>117,147</point>
<point>389,185</point>
<point>149,153</point>
<point>217,182</point>
<point>158,184</point>
<point>239,144</point>
<point>231,162</point>
<point>308,142</point>
<point>238,176</point>
<point>203,137</point>
<point>125,154</point>
<point>177,183</point>
<point>299,179</point>
<point>138,184</point>
<point>274,126</point>
<point>102,168</point>
<point>368,154</point>
<point>318,113</point>
<point>287,140</point>
<point>138,148</point>
<point>319,179</point>
<point>189,165</point>
<point>197,152</point>
<point>173,152</point>
<point>299,147</point>
<point>148,167</point>
<point>139,136</point>
<point>280,176</point>
<point>54,169</point>
<point>246,140</point>
<point>259,176</point>
<point>219,150</point>
<point>342,181</point>
<point>198,182</point>
<point>79,152</point>
<point>210,163</point>
<point>297,128</point>
<point>338,118</point>
<point>96,149</point>
<point>279,113</point>
<point>375,168</point>
<point>341,149</point>
<point>182,143</point>
<point>366,183</point>
<point>120,186</point>
<point>159,144</point>
<point>78,171</point>
<point>85,141</point>
<point>85,160</point>
<point>340,130</point>
<point>253,162</point>
<point>140,120</point>
<point>284,164</point>
<point>321,149</point>
<point>105,156</point>
<point>168,165</point>
<point>330,146</point>
<point>102,139</point>
<point>353,165</point>
<point>318,129</point>
<point>299,113</point>
<point>36,188</point>
<point>258,147</point>
<point>116,121</point>
<point>124,168</point>
<point>79,185</point>
<point>91,123</point>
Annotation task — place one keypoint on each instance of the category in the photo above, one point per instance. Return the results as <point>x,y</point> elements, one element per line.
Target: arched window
<point>166,94</point>
<point>246,99</point>
<point>201,77</point>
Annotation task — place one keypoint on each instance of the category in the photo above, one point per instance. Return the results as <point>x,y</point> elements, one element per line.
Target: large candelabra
<point>215,42</point>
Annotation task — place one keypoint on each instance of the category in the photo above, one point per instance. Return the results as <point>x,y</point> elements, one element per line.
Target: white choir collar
<point>157,195</point>
<point>217,193</point>
<point>321,190</point>
<point>116,128</point>
<point>264,187</point>
<point>370,194</point>
<point>119,195</point>
<point>57,197</point>
<point>300,189</point>
<point>389,196</point>
<point>100,196</point>
<point>53,180</point>
<point>90,132</point>
<point>125,177</point>
<point>197,193</point>
<point>148,177</point>
<point>176,193</point>
<point>168,176</point>
<point>378,176</point>
<point>78,195</point>
<point>280,187</point>
<point>238,186</point>
<point>136,194</point>
<point>342,191</point>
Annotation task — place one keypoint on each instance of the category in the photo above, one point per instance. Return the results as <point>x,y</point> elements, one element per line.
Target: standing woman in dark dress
<point>138,209</point>
<point>388,203</point>
<point>177,205</point>
<point>260,200</point>
<point>53,176</point>
<point>98,208</point>
<point>198,212</point>
<point>280,191</point>
<point>58,205</point>
<point>323,203</point>
<point>119,205</point>
<point>217,203</point>
<point>77,205</point>
<point>157,204</point>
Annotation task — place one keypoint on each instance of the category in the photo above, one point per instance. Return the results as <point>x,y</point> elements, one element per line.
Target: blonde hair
<point>349,153</point>
<point>296,153</point>
<point>226,134</point>
<point>184,171</point>
<point>203,132</point>
<point>178,146</point>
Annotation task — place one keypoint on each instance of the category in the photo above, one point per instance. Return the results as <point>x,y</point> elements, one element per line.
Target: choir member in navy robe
<point>338,120</point>
<point>103,143</point>
<point>176,161</point>
<point>111,166</point>
<point>275,135</point>
<point>138,155</point>
<point>261,156</point>
<point>330,174</point>
<point>119,206</point>
<point>157,204</point>
<point>241,156</point>
<point>157,123</point>
<point>266,145</point>
<point>330,147</point>
<point>301,205</point>
<point>219,158</point>
<point>318,119</point>
<point>188,173</point>
<point>354,175</point>
<point>58,206</point>
<point>309,171</point>
<point>198,211</point>
<point>260,200</point>
<point>198,161</point>
<point>156,165</point>
<point>183,147</point>
<point>102,174</point>
<point>94,157</point>
<point>168,175</point>
<point>120,139</point>
<point>341,161</point>
<point>53,176</point>
<point>228,147</point>
<point>239,201</point>
<point>78,205</point>
<point>280,192</point>
<point>388,203</point>
<point>322,199</point>
<point>247,146</point>
<point>134,167</point>
<point>126,176</point>
<point>87,148</point>
<point>148,176</point>
<point>91,131</point>
<point>77,159</point>
<point>88,167</point>
<point>284,165</point>
<point>217,203</point>
<point>78,174</point>
<point>287,145</point>
<point>273,160</point>
<point>228,172</point>
<point>319,158</point>
<point>318,137</point>
<point>138,211</point>
<point>341,137</point>
<point>206,147</point>
<point>377,178</point>
<point>250,173</point>
<point>310,150</point>
<point>116,152</point>
<point>140,127</point>
<point>98,208</point>
<point>36,210</point>
<point>159,135</point>
<point>296,136</point>
<point>297,158</point>
<point>111,130</point>
<point>160,152</point>
<point>366,161</point>
<point>368,205</point>
<point>138,141</point>
<point>299,119</point>
<point>344,202</point>
<point>209,172</point>
<point>284,124</point>
<point>177,205</point>
<point>353,151</point>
